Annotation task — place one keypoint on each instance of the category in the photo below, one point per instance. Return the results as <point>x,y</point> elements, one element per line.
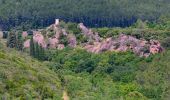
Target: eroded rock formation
<point>72,40</point>
<point>27,43</point>
<point>92,36</point>
<point>124,43</point>
<point>24,34</point>
<point>53,42</point>
<point>39,38</point>
<point>95,43</point>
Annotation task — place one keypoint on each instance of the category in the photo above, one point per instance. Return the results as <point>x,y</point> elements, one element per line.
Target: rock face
<point>95,43</point>
<point>92,36</point>
<point>39,38</point>
<point>27,43</point>
<point>72,40</point>
<point>155,47</point>
<point>24,34</point>
<point>124,43</point>
<point>50,42</point>
<point>64,32</point>
<point>53,42</point>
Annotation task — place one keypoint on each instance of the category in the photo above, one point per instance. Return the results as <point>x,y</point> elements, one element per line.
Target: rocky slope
<point>94,43</point>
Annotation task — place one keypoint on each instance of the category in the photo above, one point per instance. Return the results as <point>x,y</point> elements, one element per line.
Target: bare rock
<point>24,34</point>
<point>72,40</point>
<point>39,38</point>
<point>83,28</point>
<point>155,47</point>
<point>27,43</point>
<point>92,36</point>
<point>124,43</point>
<point>64,32</point>
<point>53,42</point>
<point>60,46</point>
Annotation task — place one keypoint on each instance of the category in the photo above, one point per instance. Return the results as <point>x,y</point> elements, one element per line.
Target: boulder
<point>24,34</point>
<point>83,28</point>
<point>64,32</point>
<point>39,38</point>
<point>53,42</point>
<point>155,47</point>
<point>72,40</point>
<point>92,36</point>
<point>27,43</point>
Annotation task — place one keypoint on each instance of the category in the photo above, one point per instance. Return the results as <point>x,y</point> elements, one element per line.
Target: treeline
<point>94,13</point>
<point>15,40</point>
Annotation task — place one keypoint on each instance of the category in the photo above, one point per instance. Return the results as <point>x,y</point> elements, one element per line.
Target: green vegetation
<point>24,78</point>
<point>110,75</point>
<point>84,75</point>
<point>115,76</point>
<point>36,50</point>
<point>15,41</point>
<point>29,14</point>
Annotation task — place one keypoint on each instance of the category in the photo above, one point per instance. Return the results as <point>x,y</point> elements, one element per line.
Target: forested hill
<point>36,13</point>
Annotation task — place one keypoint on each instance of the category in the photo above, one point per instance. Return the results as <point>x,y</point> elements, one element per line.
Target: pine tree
<point>12,40</point>
<point>19,42</point>
<point>42,53</point>
<point>32,47</point>
<point>37,51</point>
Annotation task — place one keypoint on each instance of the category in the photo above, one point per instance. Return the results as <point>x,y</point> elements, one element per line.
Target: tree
<point>19,44</point>
<point>32,47</point>
<point>41,53</point>
<point>12,40</point>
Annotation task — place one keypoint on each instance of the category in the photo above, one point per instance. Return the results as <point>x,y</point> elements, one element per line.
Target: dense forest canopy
<point>39,13</point>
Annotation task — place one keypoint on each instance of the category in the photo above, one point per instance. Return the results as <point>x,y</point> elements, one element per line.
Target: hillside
<point>98,13</point>
<point>24,78</point>
<point>73,61</point>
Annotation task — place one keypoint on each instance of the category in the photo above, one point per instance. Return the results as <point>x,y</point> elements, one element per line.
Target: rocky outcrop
<point>155,47</point>
<point>27,43</point>
<point>92,36</point>
<point>53,42</point>
<point>95,43</point>
<point>64,32</point>
<point>50,42</point>
<point>24,34</point>
<point>124,43</point>
<point>72,42</point>
<point>39,38</point>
